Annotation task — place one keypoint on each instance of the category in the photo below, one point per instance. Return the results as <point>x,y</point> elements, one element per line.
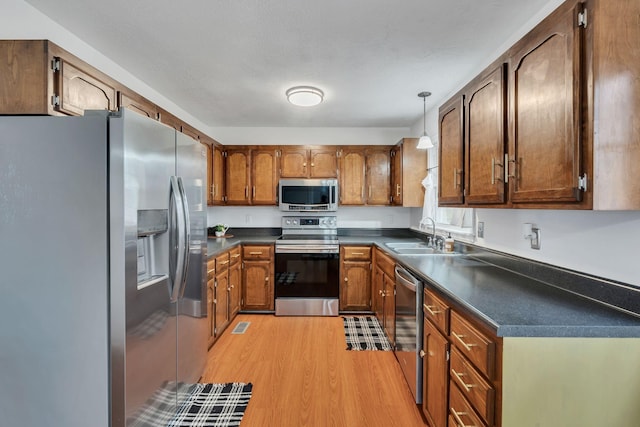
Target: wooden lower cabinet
<point>355,278</point>
<point>435,375</point>
<point>223,291</point>
<point>257,278</point>
<point>384,290</point>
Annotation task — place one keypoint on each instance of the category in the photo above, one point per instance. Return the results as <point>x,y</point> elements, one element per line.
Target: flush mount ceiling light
<point>305,96</point>
<point>425,141</point>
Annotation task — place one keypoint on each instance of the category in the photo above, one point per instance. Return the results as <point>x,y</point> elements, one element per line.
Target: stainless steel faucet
<point>433,231</point>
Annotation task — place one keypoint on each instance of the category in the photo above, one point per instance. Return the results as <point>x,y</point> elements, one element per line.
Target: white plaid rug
<point>365,333</point>
<point>205,405</point>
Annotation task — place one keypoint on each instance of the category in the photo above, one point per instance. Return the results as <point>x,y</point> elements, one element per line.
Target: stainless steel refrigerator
<point>102,269</point>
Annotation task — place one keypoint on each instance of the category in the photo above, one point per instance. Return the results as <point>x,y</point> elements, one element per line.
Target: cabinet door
<point>209,175</point>
<point>352,176</point>
<point>451,162</point>
<point>293,163</point>
<point>435,376</point>
<point>378,294</point>
<point>378,182</point>
<point>257,291</point>
<point>485,131</point>
<point>355,286</point>
<point>138,104</point>
<point>218,175</point>
<point>235,286</point>
<point>221,302</point>
<point>324,163</point>
<point>78,90</point>
<point>396,175</point>
<point>390,308</point>
<point>545,115</point>
<point>210,312</point>
<point>237,177</point>
<point>264,176</point>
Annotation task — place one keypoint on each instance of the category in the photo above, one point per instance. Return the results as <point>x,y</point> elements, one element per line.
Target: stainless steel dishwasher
<point>409,329</point>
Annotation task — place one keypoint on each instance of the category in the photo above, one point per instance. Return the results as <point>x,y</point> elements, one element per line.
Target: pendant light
<point>425,141</point>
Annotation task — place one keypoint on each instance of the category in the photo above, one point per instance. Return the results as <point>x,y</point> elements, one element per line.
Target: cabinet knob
<point>422,353</point>
<point>346,279</point>
<point>266,279</point>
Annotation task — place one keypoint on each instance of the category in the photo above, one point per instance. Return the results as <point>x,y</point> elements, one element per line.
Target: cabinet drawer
<point>255,252</point>
<point>222,262</point>
<point>475,345</point>
<point>386,263</point>
<point>471,384</point>
<point>211,268</point>
<point>234,255</point>
<point>357,253</point>
<point>437,311</point>
<point>461,413</point>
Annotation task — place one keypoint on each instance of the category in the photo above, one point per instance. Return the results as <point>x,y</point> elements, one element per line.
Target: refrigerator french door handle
<point>187,238</point>
<point>177,249</point>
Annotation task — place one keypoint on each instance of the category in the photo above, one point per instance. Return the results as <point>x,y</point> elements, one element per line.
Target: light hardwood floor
<point>303,375</point>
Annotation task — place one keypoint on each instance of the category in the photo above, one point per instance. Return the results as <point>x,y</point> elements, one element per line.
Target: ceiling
<point>229,62</point>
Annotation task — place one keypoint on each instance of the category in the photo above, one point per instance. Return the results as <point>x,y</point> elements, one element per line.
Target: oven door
<point>306,284</point>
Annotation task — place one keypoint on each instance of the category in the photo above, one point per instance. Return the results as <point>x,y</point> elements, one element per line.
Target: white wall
<point>19,20</point>
<point>309,135</point>
<point>348,216</point>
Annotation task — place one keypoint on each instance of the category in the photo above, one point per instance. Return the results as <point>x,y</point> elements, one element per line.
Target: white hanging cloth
<point>430,197</point>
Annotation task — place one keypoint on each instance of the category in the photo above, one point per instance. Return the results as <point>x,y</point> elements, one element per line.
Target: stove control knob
<point>287,222</point>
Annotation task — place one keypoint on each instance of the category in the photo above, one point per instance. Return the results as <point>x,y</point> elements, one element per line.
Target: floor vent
<point>241,328</point>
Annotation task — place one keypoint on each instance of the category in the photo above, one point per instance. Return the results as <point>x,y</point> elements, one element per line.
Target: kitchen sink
<point>414,248</point>
<point>407,245</point>
<point>414,251</point>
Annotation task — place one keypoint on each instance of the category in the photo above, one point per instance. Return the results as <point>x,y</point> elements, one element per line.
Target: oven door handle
<point>308,249</point>
<point>406,279</point>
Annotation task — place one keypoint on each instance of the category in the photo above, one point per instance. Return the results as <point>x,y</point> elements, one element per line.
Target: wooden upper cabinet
<point>137,103</point>
<point>408,169</point>
<point>38,77</point>
<point>304,162</point>
<point>209,175</point>
<point>451,163</point>
<point>237,176</point>
<point>294,162</point>
<point>485,137</point>
<point>324,163</point>
<point>352,175</point>
<point>545,110</point>
<point>264,177</point>
<point>218,177</point>
<point>77,90</point>
<point>378,181</point>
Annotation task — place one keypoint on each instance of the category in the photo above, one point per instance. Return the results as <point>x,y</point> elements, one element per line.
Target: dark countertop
<point>512,304</point>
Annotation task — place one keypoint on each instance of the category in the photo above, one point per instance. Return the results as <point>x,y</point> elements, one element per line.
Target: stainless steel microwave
<point>308,195</point>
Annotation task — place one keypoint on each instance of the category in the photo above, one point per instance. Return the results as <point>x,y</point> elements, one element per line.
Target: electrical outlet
<point>480,229</point>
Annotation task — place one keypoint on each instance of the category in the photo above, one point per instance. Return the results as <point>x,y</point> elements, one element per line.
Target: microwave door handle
<point>187,238</point>
<point>176,246</point>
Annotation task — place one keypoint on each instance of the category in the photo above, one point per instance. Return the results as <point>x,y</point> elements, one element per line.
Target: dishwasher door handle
<point>406,279</point>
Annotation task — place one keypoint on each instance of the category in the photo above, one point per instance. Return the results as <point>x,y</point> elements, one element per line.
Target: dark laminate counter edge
<point>508,302</point>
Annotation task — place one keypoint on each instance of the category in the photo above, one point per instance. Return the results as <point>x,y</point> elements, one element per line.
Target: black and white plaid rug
<point>365,333</point>
<point>205,405</point>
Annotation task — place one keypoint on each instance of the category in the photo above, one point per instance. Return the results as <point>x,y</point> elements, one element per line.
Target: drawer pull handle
<point>431,309</point>
<point>235,256</point>
<point>224,262</point>
<point>459,421</point>
<point>357,253</point>
<point>255,253</point>
<point>211,271</point>
<point>464,344</point>
<point>458,376</point>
